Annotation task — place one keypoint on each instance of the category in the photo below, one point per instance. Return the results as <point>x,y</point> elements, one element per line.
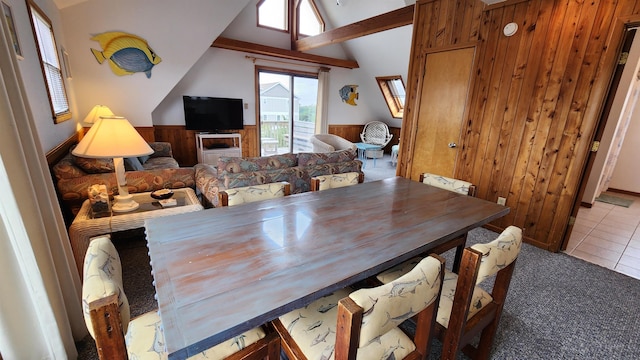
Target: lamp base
<point>124,203</point>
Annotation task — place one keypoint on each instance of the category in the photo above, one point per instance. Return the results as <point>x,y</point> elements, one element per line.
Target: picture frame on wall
<point>8,17</point>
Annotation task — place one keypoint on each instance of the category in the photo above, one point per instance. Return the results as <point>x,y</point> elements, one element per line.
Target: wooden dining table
<point>222,271</point>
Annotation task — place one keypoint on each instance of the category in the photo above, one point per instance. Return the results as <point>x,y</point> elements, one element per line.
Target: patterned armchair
<point>107,315</point>
<point>376,133</point>
<point>373,315</point>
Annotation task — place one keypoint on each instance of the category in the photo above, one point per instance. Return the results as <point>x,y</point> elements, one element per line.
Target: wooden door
<point>443,99</point>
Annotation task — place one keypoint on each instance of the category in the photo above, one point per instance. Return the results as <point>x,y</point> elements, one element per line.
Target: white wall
<point>224,73</point>
<point>179,32</point>
<point>621,99</point>
<point>627,172</point>
<point>50,134</point>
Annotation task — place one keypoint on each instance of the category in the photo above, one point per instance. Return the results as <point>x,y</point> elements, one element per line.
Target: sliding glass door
<point>287,108</point>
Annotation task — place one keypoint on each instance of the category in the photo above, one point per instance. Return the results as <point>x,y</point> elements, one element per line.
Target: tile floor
<point>608,235</point>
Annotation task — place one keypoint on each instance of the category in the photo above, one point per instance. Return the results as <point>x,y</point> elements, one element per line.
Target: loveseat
<point>74,175</point>
<point>296,169</point>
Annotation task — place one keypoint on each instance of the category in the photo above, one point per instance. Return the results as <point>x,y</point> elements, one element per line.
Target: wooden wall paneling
<point>550,133</point>
<point>250,141</point>
<point>473,151</point>
<point>488,130</point>
<point>147,133</point>
<point>500,127</point>
<point>593,82</point>
<point>523,80</point>
<point>535,103</point>
<point>564,135</point>
<point>529,158</point>
<point>526,68</point>
<point>541,115</point>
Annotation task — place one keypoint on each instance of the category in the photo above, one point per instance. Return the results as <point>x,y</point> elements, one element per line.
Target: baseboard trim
<point>632,193</point>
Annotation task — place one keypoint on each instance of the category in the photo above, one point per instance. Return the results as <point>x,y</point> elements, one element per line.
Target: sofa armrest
<point>207,184</point>
<point>161,148</point>
<point>73,191</point>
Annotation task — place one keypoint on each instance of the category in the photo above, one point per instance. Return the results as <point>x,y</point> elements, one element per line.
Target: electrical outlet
<point>502,201</point>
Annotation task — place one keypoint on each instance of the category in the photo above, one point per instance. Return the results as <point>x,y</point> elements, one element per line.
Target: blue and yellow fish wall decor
<point>349,94</point>
<point>126,53</point>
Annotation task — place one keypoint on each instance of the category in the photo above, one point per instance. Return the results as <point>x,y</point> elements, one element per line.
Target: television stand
<point>210,156</point>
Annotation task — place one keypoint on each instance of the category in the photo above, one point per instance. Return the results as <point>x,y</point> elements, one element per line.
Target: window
<point>50,64</point>
<point>309,22</point>
<point>392,89</point>
<point>273,14</point>
<point>287,110</point>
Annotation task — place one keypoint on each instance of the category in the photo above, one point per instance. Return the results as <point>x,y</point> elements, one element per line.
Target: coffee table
<point>362,152</point>
<point>86,225</point>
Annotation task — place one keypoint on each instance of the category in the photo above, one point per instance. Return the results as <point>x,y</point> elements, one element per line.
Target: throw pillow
<point>94,166</point>
<point>143,159</point>
<point>132,164</point>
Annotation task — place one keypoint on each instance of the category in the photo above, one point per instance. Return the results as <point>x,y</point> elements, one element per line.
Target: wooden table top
<point>223,271</point>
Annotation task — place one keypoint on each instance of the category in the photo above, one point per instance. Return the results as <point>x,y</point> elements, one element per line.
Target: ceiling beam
<point>386,21</point>
<point>238,45</point>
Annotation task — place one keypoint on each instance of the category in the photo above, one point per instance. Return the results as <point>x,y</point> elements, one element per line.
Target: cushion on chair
<point>337,180</point>
<point>313,327</point>
<point>479,299</point>
<point>255,193</point>
<point>395,272</point>
<point>145,340</point>
<point>446,183</point>
<point>103,277</point>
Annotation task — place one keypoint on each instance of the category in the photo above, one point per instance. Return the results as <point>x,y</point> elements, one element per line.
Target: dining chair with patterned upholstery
<point>247,194</point>
<point>107,315</point>
<point>332,181</point>
<point>466,309</point>
<point>363,324</point>
<point>460,187</point>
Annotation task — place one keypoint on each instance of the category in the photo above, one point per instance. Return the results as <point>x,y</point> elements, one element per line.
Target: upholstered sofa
<point>74,175</point>
<point>296,169</point>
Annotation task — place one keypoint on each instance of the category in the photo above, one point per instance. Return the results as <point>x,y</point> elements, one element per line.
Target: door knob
<point>452,145</point>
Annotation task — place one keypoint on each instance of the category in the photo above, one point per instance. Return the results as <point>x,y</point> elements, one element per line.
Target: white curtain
<point>322,106</point>
<point>40,306</point>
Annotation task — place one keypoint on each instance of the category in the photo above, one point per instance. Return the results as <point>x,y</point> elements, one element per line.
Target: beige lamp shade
<point>96,113</point>
<point>112,137</point>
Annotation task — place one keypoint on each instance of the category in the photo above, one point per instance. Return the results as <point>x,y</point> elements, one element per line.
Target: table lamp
<point>114,137</point>
<point>96,113</point>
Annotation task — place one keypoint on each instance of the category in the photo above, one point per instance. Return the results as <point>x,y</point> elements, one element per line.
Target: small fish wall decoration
<point>126,53</point>
<point>349,94</point>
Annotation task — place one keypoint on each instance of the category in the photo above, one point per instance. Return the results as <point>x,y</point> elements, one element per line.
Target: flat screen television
<point>212,114</point>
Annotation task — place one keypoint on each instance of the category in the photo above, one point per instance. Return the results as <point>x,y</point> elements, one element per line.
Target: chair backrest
<point>384,307</point>
<point>451,184</point>
<point>499,253</point>
<point>247,194</point>
<point>376,132</point>
<point>103,294</point>
<point>332,181</point>
<point>466,309</point>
